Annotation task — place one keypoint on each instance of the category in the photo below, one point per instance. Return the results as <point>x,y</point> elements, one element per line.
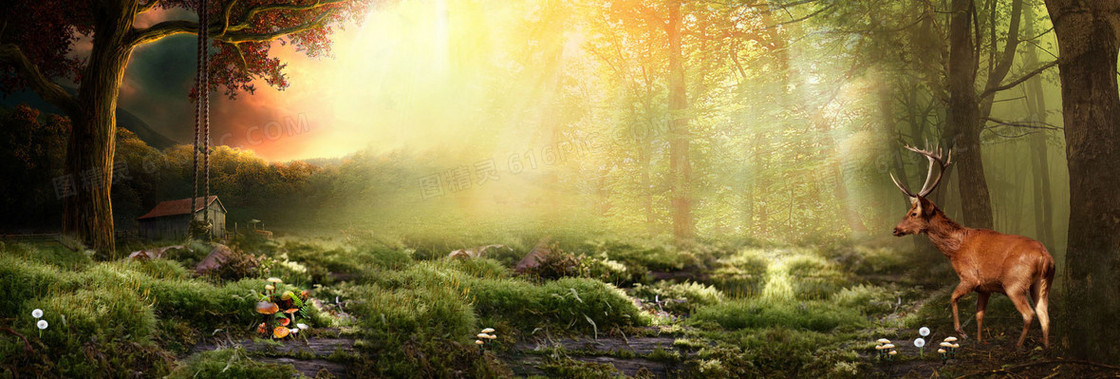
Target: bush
<point>230,363</point>
<point>85,324</point>
<point>648,257</point>
<point>163,269</point>
<point>679,298</point>
<point>815,316</point>
<point>869,299</point>
<point>813,278</point>
<point>54,255</point>
<point>741,275</point>
<point>579,304</point>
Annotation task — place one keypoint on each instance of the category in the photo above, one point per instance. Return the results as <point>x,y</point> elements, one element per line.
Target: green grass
<point>744,312</point>
<point>759,313</point>
<point>229,363</point>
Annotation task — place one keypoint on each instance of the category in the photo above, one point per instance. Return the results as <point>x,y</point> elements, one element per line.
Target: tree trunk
<point>88,214</point>
<point>680,171</point>
<point>1036,105</point>
<point>1088,44</point>
<point>963,129</point>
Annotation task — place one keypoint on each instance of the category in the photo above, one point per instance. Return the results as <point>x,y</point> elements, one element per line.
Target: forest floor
<point>591,308</point>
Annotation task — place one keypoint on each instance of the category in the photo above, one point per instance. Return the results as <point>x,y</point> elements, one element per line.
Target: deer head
<point>917,219</point>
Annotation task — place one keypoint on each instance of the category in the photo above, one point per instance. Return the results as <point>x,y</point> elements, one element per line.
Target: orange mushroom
<point>291,311</point>
<point>285,321</point>
<point>280,332</point>
<point>267,307</point>
<point>262,329</point>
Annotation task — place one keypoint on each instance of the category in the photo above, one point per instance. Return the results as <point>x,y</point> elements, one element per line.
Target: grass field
<point>714,309</point>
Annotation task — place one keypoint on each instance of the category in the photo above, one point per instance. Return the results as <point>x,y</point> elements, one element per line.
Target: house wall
<point>175,227</point>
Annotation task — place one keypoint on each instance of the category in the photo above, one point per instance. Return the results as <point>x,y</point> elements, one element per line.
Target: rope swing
<point>202,124</point>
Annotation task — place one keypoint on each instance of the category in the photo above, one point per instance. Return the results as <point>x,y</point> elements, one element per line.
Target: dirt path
<point>308,356</point>
<point>629,355</point>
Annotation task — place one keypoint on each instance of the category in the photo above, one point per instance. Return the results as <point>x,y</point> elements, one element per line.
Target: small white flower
<point>924,331</point>
<point>37,313</point>
<point>918,342</point>
<point>302,326</point>
<point>42,324</point>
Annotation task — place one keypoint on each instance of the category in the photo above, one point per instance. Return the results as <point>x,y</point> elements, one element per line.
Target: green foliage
<point>574,304</point>
<point>163,269</point>
<point>869,299</point>
<point>757,313</point>
<point>52,254</point>
<point>564,367</point>
<point>741,275</point>
<point>813,278</point>
<point>679,298</point>
<point>230,363</point>
<point>654,258</point>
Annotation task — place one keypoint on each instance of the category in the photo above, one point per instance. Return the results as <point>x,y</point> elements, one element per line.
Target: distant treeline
<point>33,150</point>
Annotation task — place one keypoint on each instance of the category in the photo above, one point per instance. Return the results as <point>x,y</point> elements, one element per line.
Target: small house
<point>170,219</point>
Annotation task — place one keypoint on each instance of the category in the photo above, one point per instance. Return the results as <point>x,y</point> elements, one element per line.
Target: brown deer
<point>986,261</point>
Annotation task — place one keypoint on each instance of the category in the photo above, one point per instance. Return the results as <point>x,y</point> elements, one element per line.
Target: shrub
<point>679,298</point>
<point>869,299</point>
<point>576,303</point>
<point>813,278</point>
<point>54,255</point>
<point>163,269</point>
<point>23,280</point>
<point>741,275</point>
<point>649,257</point>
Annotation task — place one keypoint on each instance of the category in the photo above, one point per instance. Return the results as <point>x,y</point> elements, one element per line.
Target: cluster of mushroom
<point>485,336</point>
<point>885,349</point>
<point>948,347</point>
<point>273,300</point>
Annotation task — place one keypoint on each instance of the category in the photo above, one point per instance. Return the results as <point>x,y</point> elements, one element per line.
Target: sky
<point>335,105</point>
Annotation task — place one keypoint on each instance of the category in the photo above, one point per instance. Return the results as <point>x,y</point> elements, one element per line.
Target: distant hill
<point>125,119</point>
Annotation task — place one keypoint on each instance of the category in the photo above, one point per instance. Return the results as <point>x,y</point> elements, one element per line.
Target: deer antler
<point>935,159</point>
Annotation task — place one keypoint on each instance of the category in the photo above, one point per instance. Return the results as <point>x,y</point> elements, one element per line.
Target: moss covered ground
<point>596,307</point>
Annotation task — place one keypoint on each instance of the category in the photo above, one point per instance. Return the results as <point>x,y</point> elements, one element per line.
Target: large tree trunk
<point>963,130</point>
<point>680,171</point>
<point>88,214</point>
<point>1088,43</point>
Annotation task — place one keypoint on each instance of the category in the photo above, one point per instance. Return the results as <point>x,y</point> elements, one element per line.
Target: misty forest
<point>559,188</point>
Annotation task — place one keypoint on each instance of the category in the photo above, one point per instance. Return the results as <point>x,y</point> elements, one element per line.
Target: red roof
<point>177,207</point>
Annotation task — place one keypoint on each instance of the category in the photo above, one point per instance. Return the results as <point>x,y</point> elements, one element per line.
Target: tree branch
<point>147,7</point>
<point>26,344</point>
<point>53,93</point>
<point>233,33</point>
<point>1028,125</point>
<point>1013,83</point>
<point>1000,71</point>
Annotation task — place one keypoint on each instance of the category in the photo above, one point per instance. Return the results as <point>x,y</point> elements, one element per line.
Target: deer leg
<point>962,289</point>
<point>981,307</point>
<point>1020,298</point>
<point>1040,291</point>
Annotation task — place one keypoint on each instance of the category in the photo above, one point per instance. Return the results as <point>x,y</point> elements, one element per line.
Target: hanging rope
<point>202,116</point>
<point>204,29</point>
